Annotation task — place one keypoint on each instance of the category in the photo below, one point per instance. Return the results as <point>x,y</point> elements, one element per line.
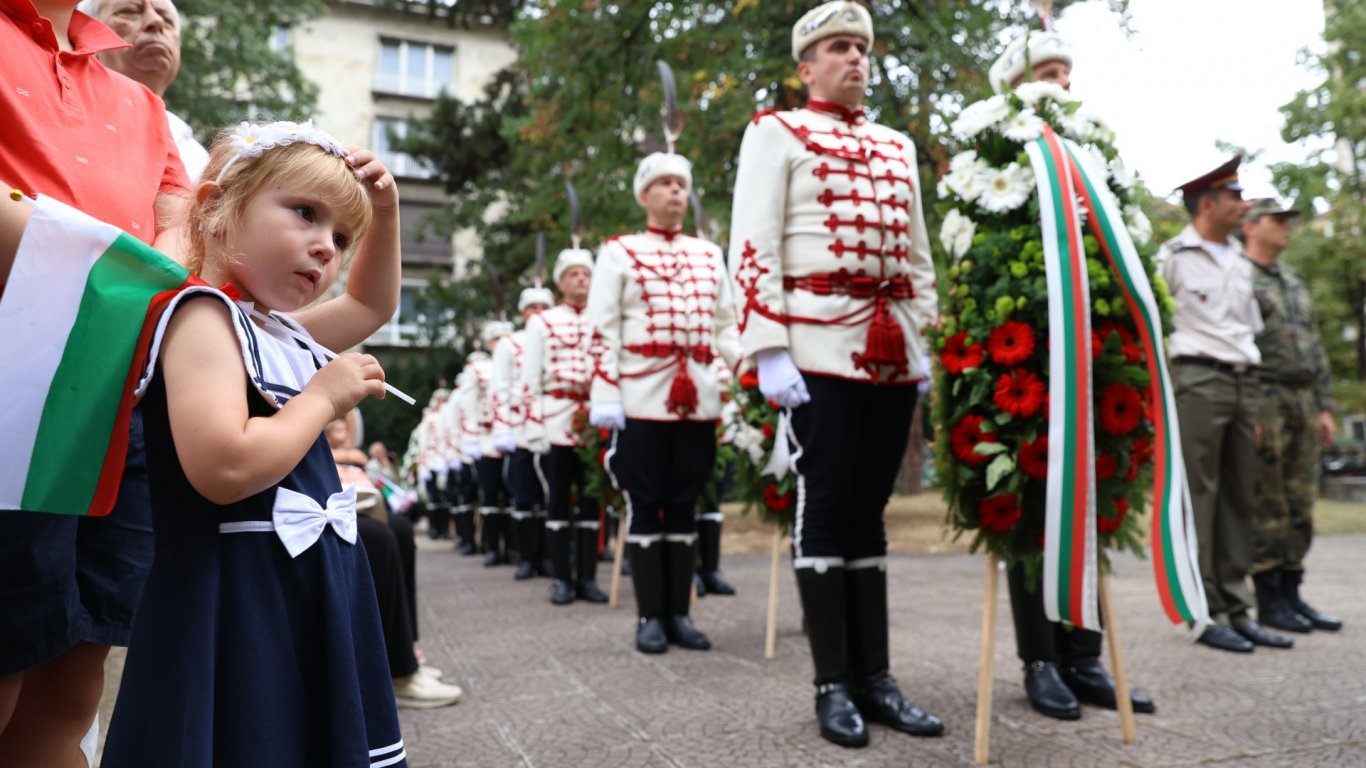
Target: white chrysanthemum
<point>1140,229</point>
<point>956,233</point>
<point>1122,176</point>
<point>966,182</point>
<point>963,160</point>
<point>1024,127</point>
<point>979,116</point>
<point>1078,126</point>
<point>1031,92</point>
<point>1005,189</point>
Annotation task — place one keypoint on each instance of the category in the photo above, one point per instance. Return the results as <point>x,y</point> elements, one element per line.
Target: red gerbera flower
<point>966,435</point>
<point>958,356</point>
<point>1019,392</point>
<point>1120,409</point>
<point>1012,343</point>
<point>999,513</point>
<point>1139,454</point>
<point>1111,524</point>
<point>767,429</point>
<point>1106,466</point>
<point>749,379</point>
<point>777,502</point>
<point>1132,353</point>
<point>1033,459</point>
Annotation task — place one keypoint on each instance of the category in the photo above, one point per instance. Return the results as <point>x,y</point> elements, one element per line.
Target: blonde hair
<point>301,163</point>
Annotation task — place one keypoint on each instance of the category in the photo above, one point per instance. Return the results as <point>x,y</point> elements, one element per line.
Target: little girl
<point>258,640</point>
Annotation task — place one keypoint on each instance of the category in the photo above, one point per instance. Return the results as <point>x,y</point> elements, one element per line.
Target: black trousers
<point>1037,638</point>
<point>565,477</point>
<point>524,481</point>
<point>662,467</point>
<point>396,606</point>
<point>462,490</point>
<point>493,492</point>
<point>852,437</point>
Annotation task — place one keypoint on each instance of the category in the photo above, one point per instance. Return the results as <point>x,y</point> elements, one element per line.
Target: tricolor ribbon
<point>1070,570</point>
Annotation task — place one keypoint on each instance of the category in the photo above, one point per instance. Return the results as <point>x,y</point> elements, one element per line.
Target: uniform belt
<point>856,286</point>
<point>1237,369</point>
<point>1267,377</point>
<point>567,394</point>
<point>698,353</point>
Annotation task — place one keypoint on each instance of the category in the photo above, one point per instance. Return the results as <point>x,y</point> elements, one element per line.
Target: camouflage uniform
<point>1295,389</point>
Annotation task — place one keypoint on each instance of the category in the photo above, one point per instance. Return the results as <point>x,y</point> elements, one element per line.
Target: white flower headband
<point>253,139</point>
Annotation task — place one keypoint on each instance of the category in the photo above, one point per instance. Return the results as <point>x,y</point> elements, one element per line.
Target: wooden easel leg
<point>1123,703</point>
<point>620,552</point>
<point>771,631</point>
<point>986,667</point>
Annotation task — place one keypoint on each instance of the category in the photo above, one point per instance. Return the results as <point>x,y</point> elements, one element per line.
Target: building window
<point>420,239</point>
<point>400,164</point>
<point>414,69</point>
<point>410,325</point>
<point>282,41</point>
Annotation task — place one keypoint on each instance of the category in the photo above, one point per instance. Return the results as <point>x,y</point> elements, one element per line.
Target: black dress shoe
<point>525,570</point>
<point>1318,619</point>
<point>881,701</point>
<point>682,633</point>
<point>699,585</point>
<point>1281,616</point>
<point>1259,636</point>
<point>588,590</point>
<point>491,559</point>
<point>1048,694</point>
<point>650,636</point>
<point>715,583</point>
<point>1089,681</point>
<point>464,547</point>
<point>1225,638</point>
<point>841,722</point>
<point>561,593</point>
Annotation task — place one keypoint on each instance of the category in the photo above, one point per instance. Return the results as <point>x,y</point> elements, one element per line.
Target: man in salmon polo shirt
<point>95,140</point>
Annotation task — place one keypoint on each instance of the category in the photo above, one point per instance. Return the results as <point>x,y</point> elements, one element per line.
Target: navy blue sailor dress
<point>244,654</point>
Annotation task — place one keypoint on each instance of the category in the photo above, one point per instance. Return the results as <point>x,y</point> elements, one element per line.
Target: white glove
<point>779,379</point>
<point>607,416</point>
<point>472,450</point>
<point>505,442</point>
<point>924,386</point>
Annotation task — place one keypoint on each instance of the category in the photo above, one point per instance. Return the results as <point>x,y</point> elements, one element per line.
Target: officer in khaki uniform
<point>1214,357</point>
<point>1296,416</point>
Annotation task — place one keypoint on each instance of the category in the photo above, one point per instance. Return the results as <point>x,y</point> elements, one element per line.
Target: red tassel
<point>682,393</point>
<point>886,344</point>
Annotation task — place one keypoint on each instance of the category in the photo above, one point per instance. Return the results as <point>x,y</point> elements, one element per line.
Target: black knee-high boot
<point>822,592</point>
<point>875,690</point>
<point>647,576</point>
<point>559,540</point>
<point>1036,643</point>
<point>528,544</point>
<point>464,530</point>
<point>709,547</point>
<point>679,560</point>
<point>1084,674</point>
<point>586,587</point>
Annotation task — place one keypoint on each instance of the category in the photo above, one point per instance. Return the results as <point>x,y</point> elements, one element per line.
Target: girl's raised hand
<point>376,177</point>
<point>348,380</point>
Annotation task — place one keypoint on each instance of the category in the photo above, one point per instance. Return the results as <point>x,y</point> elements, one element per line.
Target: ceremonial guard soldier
<point>509,433</point>
<point>1296,416</point>
<point>661,308</point>
<point>429,459</point>
<point>709,514</point>
<point>835,284</point>
<point>477,418</point>
<point>558,371</point>
<point>1214,356</point>
<point>1062,664</point>
<point>461,490</point>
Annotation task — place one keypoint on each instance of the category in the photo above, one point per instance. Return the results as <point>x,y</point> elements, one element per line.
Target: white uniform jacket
<point>828,246</point>
<point>661,308</point>
<point>476,404</point>
<point>558,370</point>
<point>451,428</point>
<point>508,390</point>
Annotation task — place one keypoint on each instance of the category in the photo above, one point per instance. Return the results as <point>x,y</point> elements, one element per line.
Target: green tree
<point>230,67</point>
<point>1328,250</point>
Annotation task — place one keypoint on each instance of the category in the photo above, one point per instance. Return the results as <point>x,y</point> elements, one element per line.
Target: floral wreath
<point>750,428</point>
<point>991,391</point>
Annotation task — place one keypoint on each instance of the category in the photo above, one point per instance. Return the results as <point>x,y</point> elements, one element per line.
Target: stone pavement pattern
<point>563,687</point>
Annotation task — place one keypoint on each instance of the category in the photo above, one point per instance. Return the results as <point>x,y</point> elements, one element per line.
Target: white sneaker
<point>420,691</point>
<point>431,672</point>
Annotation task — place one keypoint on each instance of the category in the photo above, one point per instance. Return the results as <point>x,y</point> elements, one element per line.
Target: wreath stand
<point>771,629</point>
<point>986,664</point>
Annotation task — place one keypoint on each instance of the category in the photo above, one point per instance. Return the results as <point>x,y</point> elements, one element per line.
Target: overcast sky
<point>1193,72</point>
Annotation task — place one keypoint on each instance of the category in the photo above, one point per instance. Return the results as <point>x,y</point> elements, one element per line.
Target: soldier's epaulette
<point>763,112</point>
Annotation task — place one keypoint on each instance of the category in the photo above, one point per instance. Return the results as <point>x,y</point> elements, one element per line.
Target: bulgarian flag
<point>73,338</point>
<point>1064,187</point>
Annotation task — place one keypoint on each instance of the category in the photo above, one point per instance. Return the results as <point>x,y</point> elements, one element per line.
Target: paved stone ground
<point>563,687</point>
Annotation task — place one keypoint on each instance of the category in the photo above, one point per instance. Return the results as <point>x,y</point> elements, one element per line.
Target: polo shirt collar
<point>88,36</point>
